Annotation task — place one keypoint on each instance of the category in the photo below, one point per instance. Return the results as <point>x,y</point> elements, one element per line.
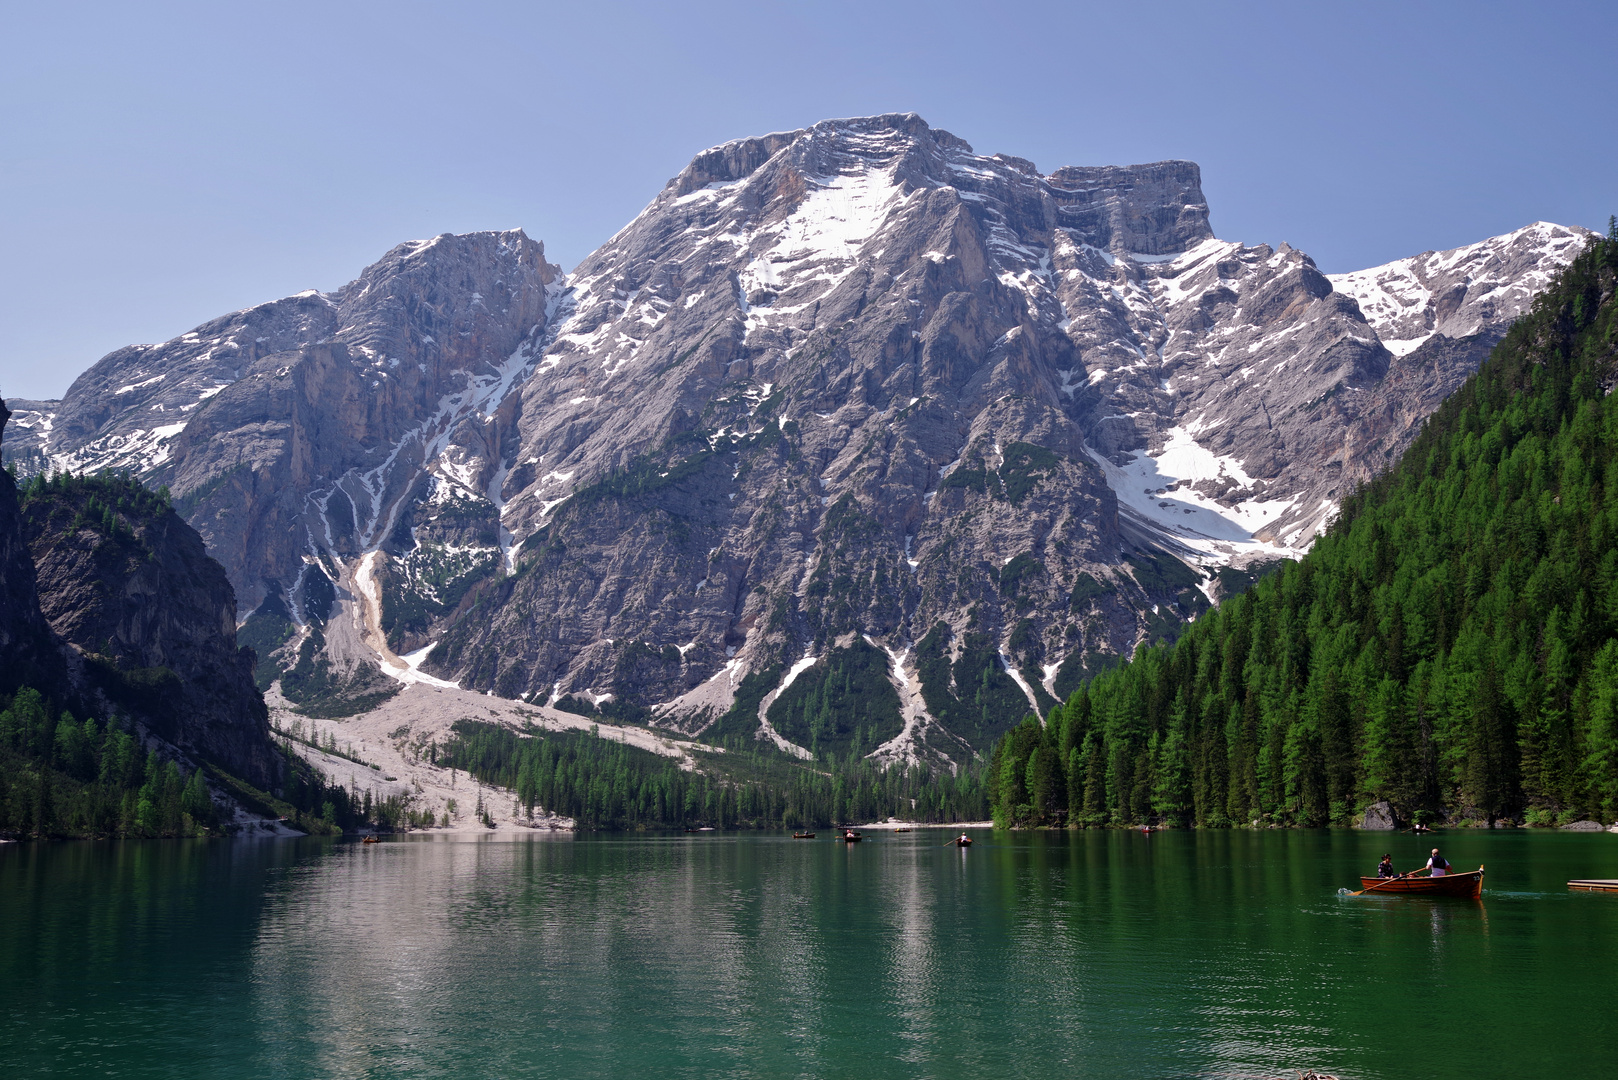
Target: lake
<point>1096,954</point>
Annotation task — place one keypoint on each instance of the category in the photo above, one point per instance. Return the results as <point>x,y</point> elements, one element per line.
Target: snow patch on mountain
<point>1456,292</point>
<point>1159,489</point>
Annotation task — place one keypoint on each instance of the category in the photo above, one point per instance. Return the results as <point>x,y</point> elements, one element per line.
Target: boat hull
<point>1468,884</point>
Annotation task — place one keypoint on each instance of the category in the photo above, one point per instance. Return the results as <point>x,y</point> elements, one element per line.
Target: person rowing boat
<point>1449,882</point>
<point>1437,866</point>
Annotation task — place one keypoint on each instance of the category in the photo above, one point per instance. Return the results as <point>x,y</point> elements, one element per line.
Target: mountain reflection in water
<point>1095,954</point>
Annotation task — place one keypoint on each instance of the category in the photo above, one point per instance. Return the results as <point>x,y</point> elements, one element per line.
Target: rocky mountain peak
<point>1156,209</point>
<point>1462,292</point>
<point>336,403</point>
<point>846,396</point>
<point>828,147</point>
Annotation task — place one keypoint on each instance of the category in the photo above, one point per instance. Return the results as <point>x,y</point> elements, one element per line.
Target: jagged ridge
<point>853,381</point>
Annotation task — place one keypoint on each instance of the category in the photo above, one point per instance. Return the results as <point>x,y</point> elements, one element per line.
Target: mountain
<point>297,427</point>
<point>1448,649</point>
<point>852,438</point>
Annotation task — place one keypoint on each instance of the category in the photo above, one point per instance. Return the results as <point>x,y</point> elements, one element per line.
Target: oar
<point>1390,881</point>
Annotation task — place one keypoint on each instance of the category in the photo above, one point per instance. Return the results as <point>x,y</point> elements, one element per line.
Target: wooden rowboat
<point>962,841</point>
<point>1468,885</point>
<point>370,840</point>
<point>803,836</point>
<point>850,836</point>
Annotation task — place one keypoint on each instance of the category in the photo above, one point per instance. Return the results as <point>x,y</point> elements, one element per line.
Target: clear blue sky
<point>161,164</point>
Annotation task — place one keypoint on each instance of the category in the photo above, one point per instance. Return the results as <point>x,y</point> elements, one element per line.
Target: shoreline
<point>892,826</point>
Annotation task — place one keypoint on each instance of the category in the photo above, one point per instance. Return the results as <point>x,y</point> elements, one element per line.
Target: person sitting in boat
<point>1437,866</point>
<point>963,839</point>
<point>1384,869</point>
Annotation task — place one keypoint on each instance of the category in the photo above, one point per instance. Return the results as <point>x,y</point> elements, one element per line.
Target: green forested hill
<point>605,784</point>
<point>1449,645</point>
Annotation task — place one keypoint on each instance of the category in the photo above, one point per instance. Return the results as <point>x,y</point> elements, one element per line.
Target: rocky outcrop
<point>25,637</point>
<point>130,588</point>
<point>849,384</point>
<point>1378,817</point>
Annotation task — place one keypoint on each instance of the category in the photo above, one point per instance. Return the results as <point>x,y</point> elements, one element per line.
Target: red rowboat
<point>1468,885</point>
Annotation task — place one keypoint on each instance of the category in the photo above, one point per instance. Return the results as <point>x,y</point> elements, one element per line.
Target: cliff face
<point>838,399</point>
<point>25,637</point>
<point>131,588</point>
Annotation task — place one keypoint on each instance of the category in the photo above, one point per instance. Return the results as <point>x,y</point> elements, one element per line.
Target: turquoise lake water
<point>1098,954</point>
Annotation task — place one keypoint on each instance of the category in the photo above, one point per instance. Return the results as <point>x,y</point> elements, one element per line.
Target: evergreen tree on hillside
<point>60,777</point>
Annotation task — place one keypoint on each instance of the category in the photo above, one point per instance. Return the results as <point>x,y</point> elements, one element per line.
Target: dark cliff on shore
<point>108,599</point>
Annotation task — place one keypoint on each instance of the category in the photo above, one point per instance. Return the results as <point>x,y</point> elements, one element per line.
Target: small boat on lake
<point>962,841</point>
<point>850,836</point>
<point>1469,885</point>
<point>370,840</point>
<point>803,836</point>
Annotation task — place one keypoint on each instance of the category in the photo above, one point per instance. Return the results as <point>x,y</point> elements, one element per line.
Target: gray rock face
<point>850,382</point>
<point>129,585</point>
<point>109,601</point>
<point>25,637</point>
<point>300,426</point>
<point>1378,817</point>
<point>858,379</point>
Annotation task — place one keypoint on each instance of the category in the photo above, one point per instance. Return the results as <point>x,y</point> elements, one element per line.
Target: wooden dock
<point>1595,884</point>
